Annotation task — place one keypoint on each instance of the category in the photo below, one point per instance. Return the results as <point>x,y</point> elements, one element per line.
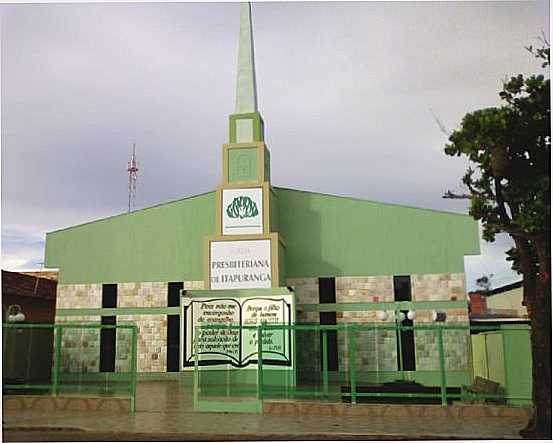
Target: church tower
<point>244,280</point>
<point>247,251</point>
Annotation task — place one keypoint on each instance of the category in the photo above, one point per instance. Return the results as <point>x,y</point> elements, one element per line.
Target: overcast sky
<point>348,88</point>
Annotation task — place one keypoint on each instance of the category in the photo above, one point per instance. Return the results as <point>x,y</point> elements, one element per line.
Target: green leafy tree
<point>509,187</point>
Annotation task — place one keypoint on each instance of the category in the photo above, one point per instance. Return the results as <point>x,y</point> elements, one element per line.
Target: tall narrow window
<point>327,294</point>
<point>402,288</point>
<point>173,327</point>
<point>108,336</point>
<point>405,338</point>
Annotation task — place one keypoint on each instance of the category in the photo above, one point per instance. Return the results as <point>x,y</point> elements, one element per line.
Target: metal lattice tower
<point>132,169</point>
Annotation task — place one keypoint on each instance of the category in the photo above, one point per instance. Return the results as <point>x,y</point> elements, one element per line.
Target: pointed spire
<point>246,90</point>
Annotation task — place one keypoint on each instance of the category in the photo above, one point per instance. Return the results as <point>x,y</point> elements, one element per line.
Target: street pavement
<point>164,413</point>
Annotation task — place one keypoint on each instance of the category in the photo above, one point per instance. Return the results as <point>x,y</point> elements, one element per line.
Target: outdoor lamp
<point>411,314</point>
<point>382,315</point>
<point>400,316</point>
<point>438,316</point>
<point>14,314</point>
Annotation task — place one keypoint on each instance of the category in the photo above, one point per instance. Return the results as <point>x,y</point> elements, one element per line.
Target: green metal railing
<point>63,358</point>
<point>445,374</point>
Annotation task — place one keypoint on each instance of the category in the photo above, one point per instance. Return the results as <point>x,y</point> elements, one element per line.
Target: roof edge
<point>130,213</point>
<point>399,205</point>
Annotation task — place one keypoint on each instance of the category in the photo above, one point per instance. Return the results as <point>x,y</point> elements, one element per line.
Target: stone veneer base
<point>66,403</point>
<point>341,409</point>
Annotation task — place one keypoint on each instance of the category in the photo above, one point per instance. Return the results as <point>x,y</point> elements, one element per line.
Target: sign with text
<point>242,211</point>
<point>236,346</point>
<point>240,264</point>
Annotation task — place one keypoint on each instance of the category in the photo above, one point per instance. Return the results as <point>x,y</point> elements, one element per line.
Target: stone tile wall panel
<point>79,296</point>
<point>431,287</point>
<point>375,289</point>
<point>80,347</point>
<point>456,342</point>
<point>306,290</point>
<point>151,343</point>
<point>142,295</point>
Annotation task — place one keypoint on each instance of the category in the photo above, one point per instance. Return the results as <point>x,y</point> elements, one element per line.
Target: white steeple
<point>246,90</point>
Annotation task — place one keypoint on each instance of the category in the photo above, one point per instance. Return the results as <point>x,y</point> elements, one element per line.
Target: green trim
<point>117,311</point>
<point>233,293</point>
<point>325,363</point>
<point>57,360</point>
<point>29,386</point>
<point>345,307</point>
<point>258,135</point>
<point>162,376</point>
<point>443,379</point>
<point>66,326</point>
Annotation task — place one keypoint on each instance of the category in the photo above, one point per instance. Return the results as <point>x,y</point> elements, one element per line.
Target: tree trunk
<point>539,304</point>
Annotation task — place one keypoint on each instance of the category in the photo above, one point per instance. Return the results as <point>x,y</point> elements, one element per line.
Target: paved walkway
<point>164,412</point>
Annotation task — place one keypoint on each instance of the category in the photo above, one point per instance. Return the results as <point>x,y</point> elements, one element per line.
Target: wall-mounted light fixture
<point>411,314</point>
<point>382,315</point>
<point>14,314</point>
<point>438,316</point>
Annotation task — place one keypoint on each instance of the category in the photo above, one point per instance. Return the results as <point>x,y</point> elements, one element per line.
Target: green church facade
<point>325,236</point>
<point>354,258</point>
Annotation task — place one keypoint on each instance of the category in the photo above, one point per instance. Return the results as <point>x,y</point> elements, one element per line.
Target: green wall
<point>335,236</point>
<point>324,236</point>
<point>161,243</point>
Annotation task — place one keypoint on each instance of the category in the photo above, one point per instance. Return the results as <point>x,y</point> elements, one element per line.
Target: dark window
<point>107,345</point>
<point>173,293</point>
<point>173,327</point>
<point>327,294</point>
<point>402,288</point>
<point>405,338</point>
<point>109,295</point>
<point>108,336</point>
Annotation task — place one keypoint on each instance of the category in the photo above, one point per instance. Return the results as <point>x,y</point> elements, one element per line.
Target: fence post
<point>325,363</point>
<point>196,370</point>
<point>260,362</point>
<point>443,382</point>
<point>58,331</point>
<point>399,330</point>
<point>351,363</point>
<point>134,368</point>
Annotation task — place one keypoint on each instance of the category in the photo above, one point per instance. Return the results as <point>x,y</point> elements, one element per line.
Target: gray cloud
<point>345,89</point>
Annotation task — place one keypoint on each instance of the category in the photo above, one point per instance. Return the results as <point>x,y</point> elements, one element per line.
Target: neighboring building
<point>359,256</point>
<point>49,274</point>
<point>35,295</point>
<point>503,303</point>
<point>503,354</point>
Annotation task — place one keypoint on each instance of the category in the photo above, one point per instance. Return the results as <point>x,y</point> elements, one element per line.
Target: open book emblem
<point>224,331</point>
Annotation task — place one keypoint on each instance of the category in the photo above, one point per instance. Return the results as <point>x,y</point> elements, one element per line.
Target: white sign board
<point>240,264</point>
<point>233,345</point>
<point>242,211</point>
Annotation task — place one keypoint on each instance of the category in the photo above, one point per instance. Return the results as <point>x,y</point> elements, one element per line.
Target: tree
<point>484,283</point>
<point>508,182</point>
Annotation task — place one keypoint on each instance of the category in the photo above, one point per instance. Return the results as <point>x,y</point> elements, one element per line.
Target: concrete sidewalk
<point>164,412</point>
<point>187,426</point>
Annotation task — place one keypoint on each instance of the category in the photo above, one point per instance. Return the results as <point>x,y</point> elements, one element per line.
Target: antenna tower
<point>132,169</point>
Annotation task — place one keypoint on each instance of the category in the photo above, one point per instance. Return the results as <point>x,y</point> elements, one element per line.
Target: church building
<point>329,260</point>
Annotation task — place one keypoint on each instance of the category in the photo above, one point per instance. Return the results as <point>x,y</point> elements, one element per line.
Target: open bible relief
<point>237,345</point>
